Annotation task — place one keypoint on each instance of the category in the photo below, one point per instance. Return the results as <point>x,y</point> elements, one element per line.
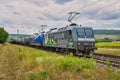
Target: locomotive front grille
<point>86,44</point>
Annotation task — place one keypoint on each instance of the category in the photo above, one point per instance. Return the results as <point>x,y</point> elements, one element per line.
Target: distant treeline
<point>20,35</point>
<point>13,36</point>
<point>106,40</point>
<point>107,32</point>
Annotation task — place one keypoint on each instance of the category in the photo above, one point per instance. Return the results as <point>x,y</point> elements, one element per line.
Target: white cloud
<point>28,15</point>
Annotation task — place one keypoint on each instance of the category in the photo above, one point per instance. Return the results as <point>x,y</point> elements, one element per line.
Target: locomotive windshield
<point>85,32</point>
<point>89,33</point>
<point>81,33</point>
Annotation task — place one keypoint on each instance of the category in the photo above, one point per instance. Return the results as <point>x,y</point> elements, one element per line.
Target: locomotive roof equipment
<point>72,15</point>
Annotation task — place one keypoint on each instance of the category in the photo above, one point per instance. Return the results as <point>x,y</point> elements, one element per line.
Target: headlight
<point>79,44</point>
<point>92,44</point>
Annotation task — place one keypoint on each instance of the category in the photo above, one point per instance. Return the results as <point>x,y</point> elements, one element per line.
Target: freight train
<point>73,38</point>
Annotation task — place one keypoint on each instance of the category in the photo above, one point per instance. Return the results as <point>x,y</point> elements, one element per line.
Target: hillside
<point>24,63</point>
<point>13,36</point>
<point>107,35</point>
<point>16,35</point>
<point>107,32</point>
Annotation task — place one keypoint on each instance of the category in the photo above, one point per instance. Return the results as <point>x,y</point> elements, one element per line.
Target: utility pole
<point>42,28</point>
<point>17,34</point>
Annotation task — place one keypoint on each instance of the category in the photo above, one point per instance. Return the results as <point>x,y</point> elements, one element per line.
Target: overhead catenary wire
<point>95,18</point>
<point>113,10</point>
<point>77,10</point>
<point>88,5</point>
<point>107,6</point>
<point>109,12</point>
<point>93,4</point>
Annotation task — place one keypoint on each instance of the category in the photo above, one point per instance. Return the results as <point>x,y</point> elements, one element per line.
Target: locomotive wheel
<point>75,53</point>
<point>91,54</point>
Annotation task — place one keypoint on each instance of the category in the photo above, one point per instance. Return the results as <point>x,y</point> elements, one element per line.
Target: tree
<point>3,35</point>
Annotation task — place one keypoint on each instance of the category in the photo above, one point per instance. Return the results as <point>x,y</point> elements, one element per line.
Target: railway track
<point>108,60</point>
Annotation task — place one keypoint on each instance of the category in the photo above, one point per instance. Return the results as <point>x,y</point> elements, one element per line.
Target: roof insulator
<point>73,24</point>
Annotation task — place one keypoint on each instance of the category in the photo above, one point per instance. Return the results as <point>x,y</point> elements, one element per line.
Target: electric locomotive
<point>72,38</point>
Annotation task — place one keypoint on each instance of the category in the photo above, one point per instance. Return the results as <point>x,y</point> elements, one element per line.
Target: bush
<point>75,64</point>
<point>32,76</point>
<point>43,75</point>
<point>3,35</point>
<point>104,40</point>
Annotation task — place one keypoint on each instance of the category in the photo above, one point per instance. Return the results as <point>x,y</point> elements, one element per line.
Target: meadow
<point>112,48</point>
<point>101,36</point>
<point>108,45</point>
<point>109,51</point>
<point>34,64</point>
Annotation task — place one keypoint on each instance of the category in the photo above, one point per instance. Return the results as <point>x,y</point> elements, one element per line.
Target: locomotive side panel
<point>61,39</point>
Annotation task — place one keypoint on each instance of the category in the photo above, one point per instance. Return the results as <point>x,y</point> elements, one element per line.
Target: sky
<point>27,16</point>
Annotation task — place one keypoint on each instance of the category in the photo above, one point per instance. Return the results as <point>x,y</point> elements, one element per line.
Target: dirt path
<point>9,64</point>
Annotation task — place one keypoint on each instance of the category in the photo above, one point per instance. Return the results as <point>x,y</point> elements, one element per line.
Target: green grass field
<point>108,51</point>
<point>101,36</point>
<point>112,48</point>
<point>108,45</point>
<point>24,63</point>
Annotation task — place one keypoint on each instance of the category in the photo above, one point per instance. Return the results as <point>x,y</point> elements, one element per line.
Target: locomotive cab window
<point>89,33</point>
<point>81,32</point>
